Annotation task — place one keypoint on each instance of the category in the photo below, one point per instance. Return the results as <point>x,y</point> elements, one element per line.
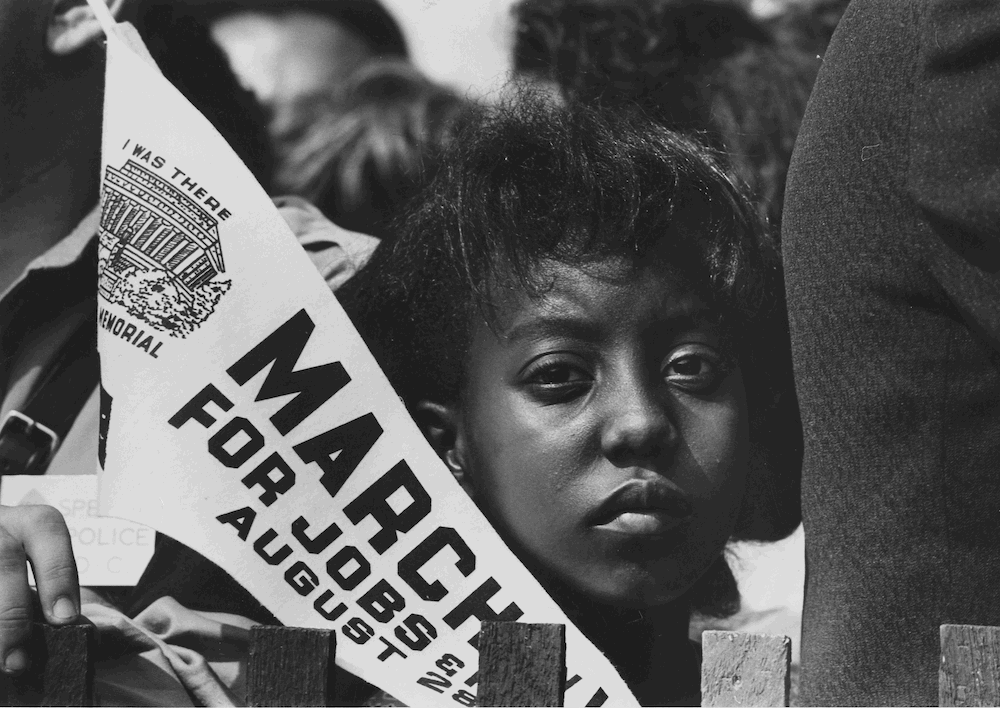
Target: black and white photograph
<point>500,353</point>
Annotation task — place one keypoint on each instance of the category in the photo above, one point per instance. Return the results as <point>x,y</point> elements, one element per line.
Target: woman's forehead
<point>598,296</point>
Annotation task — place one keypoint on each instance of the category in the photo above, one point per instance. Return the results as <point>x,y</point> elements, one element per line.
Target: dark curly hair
<point>529,182</point>
<point>698,66</point>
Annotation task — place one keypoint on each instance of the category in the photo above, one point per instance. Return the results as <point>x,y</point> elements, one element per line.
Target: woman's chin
<point>628,589</point>
<point>639,597</point>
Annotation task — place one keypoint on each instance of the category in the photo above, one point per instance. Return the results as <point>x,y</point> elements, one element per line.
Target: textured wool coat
<point>891,240</point>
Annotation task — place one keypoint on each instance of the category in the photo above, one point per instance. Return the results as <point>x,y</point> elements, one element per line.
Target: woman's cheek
<point>717,433</point>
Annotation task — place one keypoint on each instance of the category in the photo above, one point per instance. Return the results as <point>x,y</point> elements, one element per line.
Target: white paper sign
<point>243,415</point>
<point>107,551</point>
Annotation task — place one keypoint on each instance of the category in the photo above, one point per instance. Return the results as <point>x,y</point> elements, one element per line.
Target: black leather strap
<point>31,434</point>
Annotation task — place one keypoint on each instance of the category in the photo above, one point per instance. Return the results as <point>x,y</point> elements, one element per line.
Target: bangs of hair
<point>530,182</point>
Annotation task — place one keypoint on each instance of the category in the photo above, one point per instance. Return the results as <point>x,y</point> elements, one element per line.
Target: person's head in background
<point>180,42</point>
<point>575,312</point>
<point>51,94</point>
<point>705,66</point>
<point>370,150</point>
<point>808,24</point>
<point>296,55</point>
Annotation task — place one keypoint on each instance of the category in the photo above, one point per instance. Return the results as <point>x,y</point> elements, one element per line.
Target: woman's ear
<point>74,26</point>
<point>441,424</point>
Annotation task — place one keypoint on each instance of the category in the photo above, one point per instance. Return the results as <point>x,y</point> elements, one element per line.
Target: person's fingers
<point>38,533</point>
<point>43,531</point>
<point>15,603</point>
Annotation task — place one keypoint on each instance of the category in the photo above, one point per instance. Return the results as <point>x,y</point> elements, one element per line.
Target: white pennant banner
<point>243,416</point>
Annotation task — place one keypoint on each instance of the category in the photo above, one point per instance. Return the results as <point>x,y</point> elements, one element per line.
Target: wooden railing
<point>519,665</point>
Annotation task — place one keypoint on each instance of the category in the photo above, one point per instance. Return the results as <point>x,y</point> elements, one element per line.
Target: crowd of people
<point>748,262</point>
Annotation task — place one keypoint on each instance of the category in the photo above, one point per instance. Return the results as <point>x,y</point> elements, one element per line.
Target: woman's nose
<point>638,427</point>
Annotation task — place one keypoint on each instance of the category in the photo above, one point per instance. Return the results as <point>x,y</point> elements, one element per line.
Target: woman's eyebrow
<point>547,325</point>
<point>576,327</point>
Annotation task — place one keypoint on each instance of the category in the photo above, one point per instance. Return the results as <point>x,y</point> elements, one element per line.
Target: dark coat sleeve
<point>954,172</point>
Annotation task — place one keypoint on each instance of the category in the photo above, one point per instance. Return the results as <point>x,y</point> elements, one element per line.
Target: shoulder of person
<point>336,252</point>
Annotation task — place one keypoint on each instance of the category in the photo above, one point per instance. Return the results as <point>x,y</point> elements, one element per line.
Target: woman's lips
<point>644,522</point>
<point>642,508</point>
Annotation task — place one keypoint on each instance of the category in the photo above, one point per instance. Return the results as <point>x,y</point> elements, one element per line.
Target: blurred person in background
<point>297,55</point>
<point>808,24</point>
<point>369,151</point>
<point>698,66</point>
<point>183,48</point>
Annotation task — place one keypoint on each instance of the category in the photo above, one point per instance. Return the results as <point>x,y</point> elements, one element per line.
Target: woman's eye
<point>690,366</point>
<point>693,371</point>
<point>557,381</point>
<point>558,374</point>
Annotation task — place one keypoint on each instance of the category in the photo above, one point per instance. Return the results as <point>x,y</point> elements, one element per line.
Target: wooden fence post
<point>740,669</point>
<point>521,664</point>
<point>61,672</point>
<point>970,666</point>
<point>291,666</point>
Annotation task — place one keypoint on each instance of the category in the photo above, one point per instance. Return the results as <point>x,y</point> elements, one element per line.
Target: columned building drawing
<point>150,224</point>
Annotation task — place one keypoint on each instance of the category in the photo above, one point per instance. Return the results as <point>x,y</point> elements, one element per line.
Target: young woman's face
<point>604,432</point>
